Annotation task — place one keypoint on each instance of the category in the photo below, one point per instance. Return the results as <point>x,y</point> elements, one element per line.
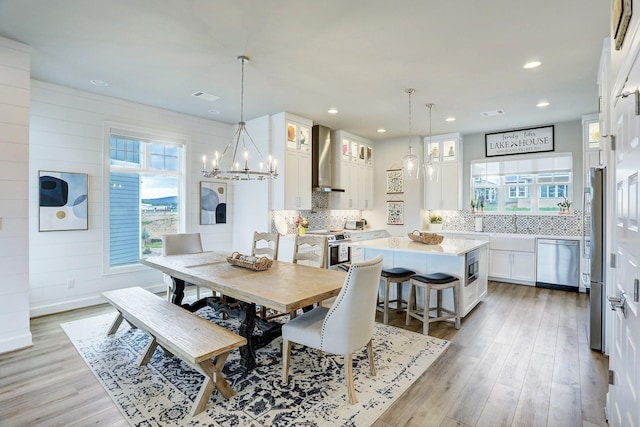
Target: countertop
<point>449,246</point>
<point>487,235</point>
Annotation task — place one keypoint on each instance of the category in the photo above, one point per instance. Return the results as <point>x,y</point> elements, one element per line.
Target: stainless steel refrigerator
<point>594,250</point>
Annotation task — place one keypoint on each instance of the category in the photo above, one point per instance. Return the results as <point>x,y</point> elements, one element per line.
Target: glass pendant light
<point>430,171</point>
<point>410,161</point>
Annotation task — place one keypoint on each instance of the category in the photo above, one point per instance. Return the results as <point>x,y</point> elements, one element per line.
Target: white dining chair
<point>266,244</point>
<point>344,328</point>
<point>178,244</point>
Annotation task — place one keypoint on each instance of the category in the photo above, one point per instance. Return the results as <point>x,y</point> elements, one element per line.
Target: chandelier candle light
<point>267,169</point>
<point>410,161</point>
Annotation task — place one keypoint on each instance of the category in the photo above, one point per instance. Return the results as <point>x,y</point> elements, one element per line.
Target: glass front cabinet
<point>442,172</point>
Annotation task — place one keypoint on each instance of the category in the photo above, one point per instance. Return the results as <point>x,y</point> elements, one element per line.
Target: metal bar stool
<point>397,275</point>
<point>439,282</point>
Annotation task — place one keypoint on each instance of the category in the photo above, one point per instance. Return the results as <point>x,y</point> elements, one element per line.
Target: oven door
<point>339,253</point>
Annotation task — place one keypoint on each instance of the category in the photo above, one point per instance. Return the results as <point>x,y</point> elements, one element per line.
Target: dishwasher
<point>558,264</point>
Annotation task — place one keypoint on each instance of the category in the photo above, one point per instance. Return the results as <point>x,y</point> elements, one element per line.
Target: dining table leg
<point>245,312</point>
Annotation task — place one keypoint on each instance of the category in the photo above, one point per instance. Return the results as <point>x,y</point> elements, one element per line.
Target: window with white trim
<point>532,184</point>
<point>144,193</point>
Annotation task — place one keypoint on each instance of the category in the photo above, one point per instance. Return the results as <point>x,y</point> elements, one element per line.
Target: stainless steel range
<point>338,250</point>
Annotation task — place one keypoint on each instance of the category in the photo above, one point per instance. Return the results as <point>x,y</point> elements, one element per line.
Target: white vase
<point>435,227</point>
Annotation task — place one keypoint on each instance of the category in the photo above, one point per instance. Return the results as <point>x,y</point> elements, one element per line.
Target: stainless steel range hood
<point>321,150</point>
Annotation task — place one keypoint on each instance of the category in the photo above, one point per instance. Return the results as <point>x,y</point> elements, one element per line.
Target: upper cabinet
<point>592,151</point>
<point>352,170</point>
<point>443,172</point>
<point>291,139</point>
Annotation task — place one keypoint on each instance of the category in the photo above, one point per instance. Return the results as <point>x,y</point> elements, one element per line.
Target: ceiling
<point>357,56</point>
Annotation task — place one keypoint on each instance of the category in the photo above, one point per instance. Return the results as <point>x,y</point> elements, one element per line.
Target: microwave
<point>352,224</point>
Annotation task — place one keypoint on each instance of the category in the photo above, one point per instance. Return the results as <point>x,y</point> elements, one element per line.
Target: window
<point>528,185</point>
<point>144,195</point>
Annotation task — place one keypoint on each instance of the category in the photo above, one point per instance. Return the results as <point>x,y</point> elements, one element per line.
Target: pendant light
<point>241,142</point>
<point>430,170</point>
<point>410,160</point>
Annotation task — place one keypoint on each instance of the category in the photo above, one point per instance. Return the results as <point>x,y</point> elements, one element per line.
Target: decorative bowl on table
<point>426,238</point>
<point>250,261</point>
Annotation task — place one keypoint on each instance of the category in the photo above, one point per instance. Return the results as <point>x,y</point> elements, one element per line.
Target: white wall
<point>567,137</point>
<point>67,132</point>
<point>15,69</point>
<point>388,155</point>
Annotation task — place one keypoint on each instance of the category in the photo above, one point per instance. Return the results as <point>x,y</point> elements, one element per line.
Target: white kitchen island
<point>452,256</point>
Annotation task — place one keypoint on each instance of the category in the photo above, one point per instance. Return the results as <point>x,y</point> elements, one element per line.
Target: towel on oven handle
<point>343,252</point>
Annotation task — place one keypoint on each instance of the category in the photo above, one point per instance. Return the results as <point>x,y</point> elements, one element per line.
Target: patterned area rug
<point>161,393</point>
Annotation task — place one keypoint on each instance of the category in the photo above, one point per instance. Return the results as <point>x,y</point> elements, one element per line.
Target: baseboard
<point>17,342</point>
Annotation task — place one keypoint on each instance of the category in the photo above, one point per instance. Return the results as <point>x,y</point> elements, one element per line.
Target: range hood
<point>321,151</point>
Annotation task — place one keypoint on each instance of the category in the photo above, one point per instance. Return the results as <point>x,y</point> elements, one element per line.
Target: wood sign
<point>522,141</point>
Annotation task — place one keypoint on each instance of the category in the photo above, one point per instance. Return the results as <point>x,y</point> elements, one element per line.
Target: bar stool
<point>397,275</point>
<point>438,282</point>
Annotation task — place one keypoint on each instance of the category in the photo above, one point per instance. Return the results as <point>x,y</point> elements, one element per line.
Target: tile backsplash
<point>556,225</point>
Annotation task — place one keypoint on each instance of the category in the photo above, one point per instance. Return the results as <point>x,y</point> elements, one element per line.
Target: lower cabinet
<point>512,266</point>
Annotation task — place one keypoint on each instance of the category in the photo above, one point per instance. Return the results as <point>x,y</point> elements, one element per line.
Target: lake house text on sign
<point>522,141</point>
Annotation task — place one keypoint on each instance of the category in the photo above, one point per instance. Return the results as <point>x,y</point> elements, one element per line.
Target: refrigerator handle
<point>586,237</point>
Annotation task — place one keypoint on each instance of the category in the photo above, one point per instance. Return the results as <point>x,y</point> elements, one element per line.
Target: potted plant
<point>435,221</point>
<point>302,223</point>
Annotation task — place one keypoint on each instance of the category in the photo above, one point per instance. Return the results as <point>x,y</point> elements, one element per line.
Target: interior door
<point>623,406</point>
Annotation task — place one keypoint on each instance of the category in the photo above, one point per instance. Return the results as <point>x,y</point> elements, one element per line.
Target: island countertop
<point>448,246</point>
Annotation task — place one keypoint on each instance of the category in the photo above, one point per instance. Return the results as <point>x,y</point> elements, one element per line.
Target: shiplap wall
<point>15,69</point>
<point>67,132</point>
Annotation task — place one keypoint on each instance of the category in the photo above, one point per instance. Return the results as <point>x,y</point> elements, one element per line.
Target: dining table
<point>237,291</point>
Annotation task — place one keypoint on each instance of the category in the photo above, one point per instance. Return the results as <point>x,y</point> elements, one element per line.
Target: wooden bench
<point>178,332</point>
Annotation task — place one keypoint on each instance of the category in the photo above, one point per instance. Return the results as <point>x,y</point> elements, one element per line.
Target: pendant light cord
<point>410,91</point>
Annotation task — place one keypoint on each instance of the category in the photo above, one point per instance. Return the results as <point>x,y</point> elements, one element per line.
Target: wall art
<point>63,201</point>
<point>394,181</point>
<point>395,212</point>
<point>213,203</point>
<point>522,141</point>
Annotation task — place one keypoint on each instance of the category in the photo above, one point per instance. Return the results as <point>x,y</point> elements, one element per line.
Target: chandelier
<point>410,160</point>
<point>239,145</point>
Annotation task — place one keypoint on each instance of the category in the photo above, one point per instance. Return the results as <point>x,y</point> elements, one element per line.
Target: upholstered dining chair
<point>344,328</point>
<point>178,244</point>
<point>266,244</point>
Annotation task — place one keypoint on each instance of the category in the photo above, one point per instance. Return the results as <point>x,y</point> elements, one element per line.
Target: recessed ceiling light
<point>332,111</point>
<point>450,119</point>
<point>542,104</point>
<point>214,112</point>
<point>99,82</point>
<point>382,130</point>
<point>531,65</point>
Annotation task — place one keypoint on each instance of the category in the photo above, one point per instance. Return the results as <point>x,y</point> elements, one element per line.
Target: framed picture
<point>521,141</point>
<point>395,212</point>
<point>63,201</point>
<point>213,203</point>
<point>292,142</point>
<point>394,181</point>
<point>621,14</point>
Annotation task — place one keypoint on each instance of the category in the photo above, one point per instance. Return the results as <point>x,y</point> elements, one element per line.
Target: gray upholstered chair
<point>178,244</point>
<point>344,328</point>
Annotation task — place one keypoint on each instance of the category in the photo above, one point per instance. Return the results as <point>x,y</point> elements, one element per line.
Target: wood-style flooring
<point>521,358</point>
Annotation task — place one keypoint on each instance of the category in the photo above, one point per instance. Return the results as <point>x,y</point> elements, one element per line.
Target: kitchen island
<point>464,258</point>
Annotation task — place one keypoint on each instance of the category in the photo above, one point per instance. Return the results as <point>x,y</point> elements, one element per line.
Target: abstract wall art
<point>63,201</point>
<point>213,203</point>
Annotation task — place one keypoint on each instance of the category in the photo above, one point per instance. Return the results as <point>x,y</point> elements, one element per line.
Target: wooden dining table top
<point>284,286</point>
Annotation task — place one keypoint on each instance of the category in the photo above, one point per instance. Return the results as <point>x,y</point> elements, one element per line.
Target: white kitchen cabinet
<point>352,160</point>
<point>592,149</point>
<point>443,170</point>
<point>291,139</point>
<point>512,259</point>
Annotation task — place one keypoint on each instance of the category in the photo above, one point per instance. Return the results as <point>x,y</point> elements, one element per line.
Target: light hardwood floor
<point>521,358</point>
